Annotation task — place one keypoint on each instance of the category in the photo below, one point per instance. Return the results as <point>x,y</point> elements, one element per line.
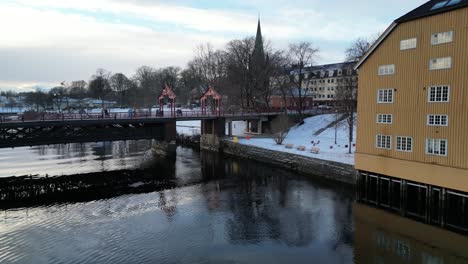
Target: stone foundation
<point>322,168</point>
<point>164,149</point>
<point>210,142</point>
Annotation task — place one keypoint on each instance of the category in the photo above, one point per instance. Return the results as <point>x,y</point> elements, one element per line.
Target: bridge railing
<point>142,114</point>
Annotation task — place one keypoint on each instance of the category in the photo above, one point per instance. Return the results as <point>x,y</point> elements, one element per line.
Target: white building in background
<point>323,81</point>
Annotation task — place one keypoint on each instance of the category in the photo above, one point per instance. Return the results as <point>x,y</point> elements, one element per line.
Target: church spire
<point>259,41</point>
<point>259,52</point>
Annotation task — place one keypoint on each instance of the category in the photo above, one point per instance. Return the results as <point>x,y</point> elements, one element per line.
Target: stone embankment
<point>322,168</point>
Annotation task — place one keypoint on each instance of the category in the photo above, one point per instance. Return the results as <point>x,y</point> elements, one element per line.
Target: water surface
<point>215,210</point>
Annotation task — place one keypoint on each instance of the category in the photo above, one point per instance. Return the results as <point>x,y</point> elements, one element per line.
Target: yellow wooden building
<point>412,131</point>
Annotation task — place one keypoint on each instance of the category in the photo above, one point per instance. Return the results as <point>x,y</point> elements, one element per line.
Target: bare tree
<point>39,99</point>
<point>273,69</point>
<point>169,76</point>
<point>300,57</point>
<point>148,86</point>
<point>346,96</point>
<point>359,48</point>
<point>347,90</point>
<point>210,64</point>
<point>119,84</point>
<point>191,82</point>
<point>239,60</point>
<point>59,94</point>
<point>99,85</point>
<point>249,70</point>
<point>280,128</point>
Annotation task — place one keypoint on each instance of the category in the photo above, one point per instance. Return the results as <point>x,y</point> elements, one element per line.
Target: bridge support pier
<point>166,148</point>
<point>229,128</point>
<point>256,126</point>
<point>211,132</point>
<point>170,131</point>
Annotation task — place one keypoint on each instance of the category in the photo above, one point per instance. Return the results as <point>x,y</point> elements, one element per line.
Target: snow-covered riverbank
<point>304,136</point>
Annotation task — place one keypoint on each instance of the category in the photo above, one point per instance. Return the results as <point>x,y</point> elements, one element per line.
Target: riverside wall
<point>321,168</point>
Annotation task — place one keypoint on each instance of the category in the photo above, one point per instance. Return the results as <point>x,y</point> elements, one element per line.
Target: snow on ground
<point>188,128</point>
<point>238,128</point>
<point>304,135</point>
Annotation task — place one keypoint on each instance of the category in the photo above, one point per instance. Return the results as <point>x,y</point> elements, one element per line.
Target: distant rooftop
<point>327,69</point>
<point>433,7</point>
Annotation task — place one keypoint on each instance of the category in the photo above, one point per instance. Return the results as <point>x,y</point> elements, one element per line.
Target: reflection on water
<point>382,237</point>
<point>219,211</point>
<point>205,208</point>
<point>66,159</point>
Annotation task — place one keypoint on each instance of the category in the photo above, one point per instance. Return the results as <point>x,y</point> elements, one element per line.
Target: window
<point>440,63</point>
<point>340,72</point>
<point>442,37</point>
<point>387,69</point>
<point>439,5</point>
<point>384,119</point>
<point>384,142</point>
<point>439,93</point>
<point>404,144</point>
<point>437,120</point>
<point>453,2</point>
<point>408,44</point>
<point>385,96</point>
<point>436,147</point>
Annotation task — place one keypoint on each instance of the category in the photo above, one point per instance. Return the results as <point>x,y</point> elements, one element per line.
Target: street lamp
<point>336,123</point>
<point>56,101</point>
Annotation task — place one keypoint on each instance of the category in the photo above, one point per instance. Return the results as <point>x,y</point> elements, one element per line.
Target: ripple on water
<point>212,216</point>
<point>76,158</point>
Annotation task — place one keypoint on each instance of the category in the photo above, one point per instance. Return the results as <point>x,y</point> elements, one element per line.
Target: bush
<point>279,137</point>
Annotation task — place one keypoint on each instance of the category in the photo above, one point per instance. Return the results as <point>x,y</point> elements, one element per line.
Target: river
<point>200,208</point>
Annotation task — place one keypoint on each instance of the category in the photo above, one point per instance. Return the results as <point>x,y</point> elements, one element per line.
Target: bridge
<point>28,129</point>
<point>54,128</point>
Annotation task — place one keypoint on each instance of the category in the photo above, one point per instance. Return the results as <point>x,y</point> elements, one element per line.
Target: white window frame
<point>434,118</point>
<point>403,147</point>
<point>441,38</point>
<point>437,64</point>
<point>407,44</point>
<point>436,143</point>
<point>383,119</point>
<point>388,69</point>
<point>381,99</point>
<point>380,143</point>
<point>436,87</point>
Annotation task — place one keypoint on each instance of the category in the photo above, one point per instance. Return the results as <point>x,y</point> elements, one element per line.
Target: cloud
<point>48,41</point>
<point>49,46</point>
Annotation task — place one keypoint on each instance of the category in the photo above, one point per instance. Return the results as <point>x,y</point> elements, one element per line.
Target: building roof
<point>430,8</point>
<point>327,70</point>
<point>330,70</point>
<point>329,67</point>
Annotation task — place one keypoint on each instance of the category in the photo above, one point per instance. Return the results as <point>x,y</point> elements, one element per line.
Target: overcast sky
<point>44,42</point>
